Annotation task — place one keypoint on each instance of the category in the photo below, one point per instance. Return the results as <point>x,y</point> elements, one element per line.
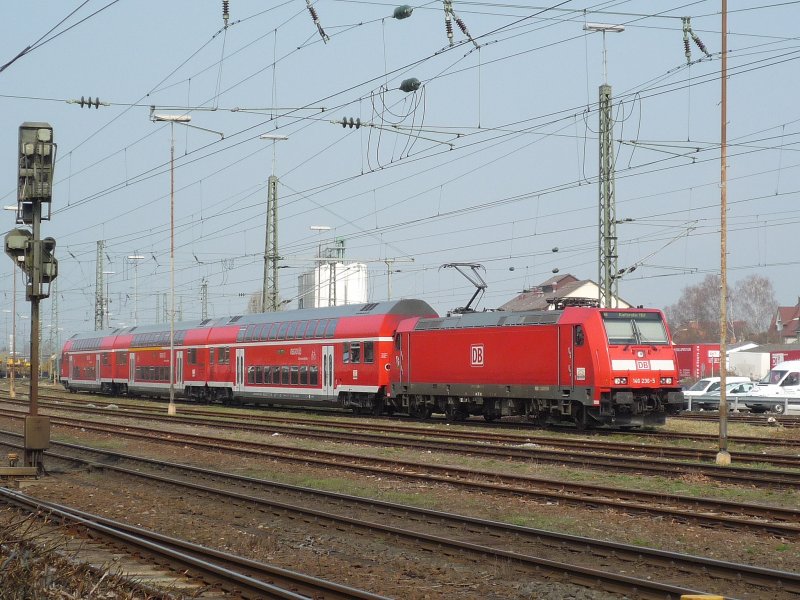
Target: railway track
<point>790,422</point>
<point>188,568</point>
<point>649,573</point>
<point>500,432</point>
<point>680,508</point>
<point>629,458</point>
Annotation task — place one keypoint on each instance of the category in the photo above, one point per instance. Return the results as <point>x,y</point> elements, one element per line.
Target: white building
<point>333,284</point>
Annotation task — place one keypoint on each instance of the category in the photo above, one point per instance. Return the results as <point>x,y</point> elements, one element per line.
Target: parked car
<point>782,380</point>
<point>734,391</point>
<point>706,386</point>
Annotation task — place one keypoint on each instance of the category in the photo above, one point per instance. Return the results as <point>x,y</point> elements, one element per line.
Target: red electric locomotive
<point>587,365</point>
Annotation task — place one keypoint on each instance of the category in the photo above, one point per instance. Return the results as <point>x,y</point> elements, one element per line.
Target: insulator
<point>687,49</point>
<point>403,12</point>
<point>461,26</point>
<point>344,122</point>
<point>89,102</point>
<point>448,25</point>
<point>225,14</point>
<point>700,44</point>
<point>313,12</point>
<point>410,85</point>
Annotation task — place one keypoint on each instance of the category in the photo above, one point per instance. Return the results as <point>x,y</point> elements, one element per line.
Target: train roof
<point>501,318</point>
<point>393,307</point>
<point>490,319</point>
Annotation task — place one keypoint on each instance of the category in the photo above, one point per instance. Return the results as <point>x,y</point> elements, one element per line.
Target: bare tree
<point>695,316</point>
<point>754,305</point>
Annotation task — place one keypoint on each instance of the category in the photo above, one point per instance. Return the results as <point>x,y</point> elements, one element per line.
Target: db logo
<point>643,364</point>
<point>477,355</point>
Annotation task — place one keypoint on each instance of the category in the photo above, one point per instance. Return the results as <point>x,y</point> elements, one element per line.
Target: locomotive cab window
<point>580,337</point>
<point>642,328</point>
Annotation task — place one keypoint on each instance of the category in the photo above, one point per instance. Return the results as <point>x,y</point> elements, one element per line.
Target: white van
<point>782,380</point>
<point>706,386</point>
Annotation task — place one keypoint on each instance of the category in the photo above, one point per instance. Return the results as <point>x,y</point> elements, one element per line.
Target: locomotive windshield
<point>634,328</point>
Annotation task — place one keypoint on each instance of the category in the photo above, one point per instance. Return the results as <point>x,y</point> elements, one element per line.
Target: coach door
<point>70,372</point>
<point>565,357</point>
<point>239,384</point>
<point>131,367</point>
<point>327,371</point>
<point>179,368</point>
<point>97,368</point>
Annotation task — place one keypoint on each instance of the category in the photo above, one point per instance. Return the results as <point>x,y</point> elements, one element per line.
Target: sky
<point>492,160</point>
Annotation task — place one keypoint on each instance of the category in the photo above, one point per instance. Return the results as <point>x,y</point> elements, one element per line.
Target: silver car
<point>737,389</point>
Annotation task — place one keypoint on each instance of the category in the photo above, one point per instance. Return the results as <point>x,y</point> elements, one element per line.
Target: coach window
<point>313,375</point>
<point>276,375</point>
<point>304,375</point>
<point>259,374</point>
<point>273,331</point>
<point>346,352</point>
<point>105,359</point>
<point>291,331</point>
<point>312,326</point>
<point>320,329</point>
<point>369,352</point>
<point>294,375</point>
<point>284,375</point>
<point>579,335</point>
<point>355,352</point>
<point>251,374</point>
<point>224,355</point>
<point>191,356</point>
<point>210,356</point>
<point>122,359</point>
<point>282,331</point>
<point>330,328</point>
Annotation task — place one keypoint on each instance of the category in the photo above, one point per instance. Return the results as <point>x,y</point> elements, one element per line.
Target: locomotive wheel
<point>490,417</point>
<point>778,408</point>
<point>422,412</point>
<point>454,413</point>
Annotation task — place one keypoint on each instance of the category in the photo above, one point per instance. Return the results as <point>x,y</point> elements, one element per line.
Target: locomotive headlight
<point>620,381</point>
<point>666,381</point>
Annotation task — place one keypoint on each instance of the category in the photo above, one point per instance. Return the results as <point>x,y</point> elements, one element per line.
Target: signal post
<point>35,256</point>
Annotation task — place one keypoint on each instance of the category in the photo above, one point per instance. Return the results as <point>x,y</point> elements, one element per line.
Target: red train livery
<point>589,366</point>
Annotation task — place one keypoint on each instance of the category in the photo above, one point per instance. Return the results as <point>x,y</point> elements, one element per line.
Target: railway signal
<point>36,152</point>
